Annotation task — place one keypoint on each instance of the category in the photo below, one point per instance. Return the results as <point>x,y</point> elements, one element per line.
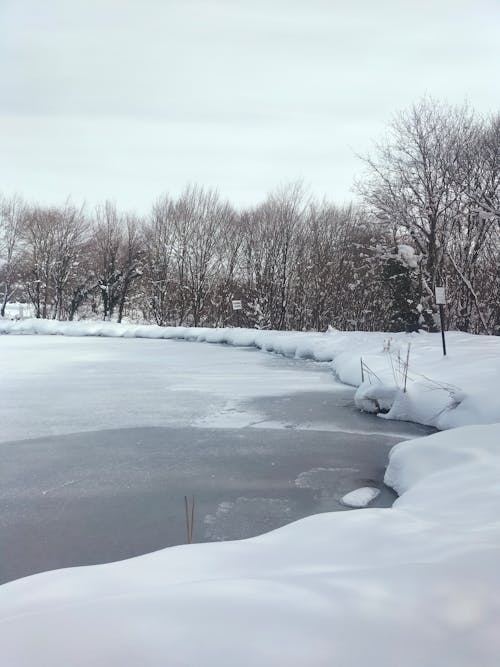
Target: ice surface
<point>56,385</point>
<point>455,390</point>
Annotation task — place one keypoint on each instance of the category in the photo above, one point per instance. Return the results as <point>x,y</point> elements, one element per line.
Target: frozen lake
<point>102,438</point>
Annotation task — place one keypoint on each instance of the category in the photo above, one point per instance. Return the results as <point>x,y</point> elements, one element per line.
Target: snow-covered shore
<point>412,585</point>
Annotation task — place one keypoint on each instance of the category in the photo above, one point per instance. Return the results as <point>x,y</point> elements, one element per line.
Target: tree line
<point>429,216</point>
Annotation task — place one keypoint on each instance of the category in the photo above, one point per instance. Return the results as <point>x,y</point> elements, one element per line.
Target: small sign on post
<point>237,307</point>
<point>440,296</point>
<point>441,302</point>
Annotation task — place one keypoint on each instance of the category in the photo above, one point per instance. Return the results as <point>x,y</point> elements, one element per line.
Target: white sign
<point>236,305</point>
<point>440,296</point>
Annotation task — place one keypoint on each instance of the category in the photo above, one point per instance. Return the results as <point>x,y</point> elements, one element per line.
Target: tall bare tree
<point>12,212</point>
<point>117,254</point>
<point>414,185</point>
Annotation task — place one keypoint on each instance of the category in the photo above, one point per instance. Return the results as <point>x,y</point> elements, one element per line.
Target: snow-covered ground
<point>416,584</point>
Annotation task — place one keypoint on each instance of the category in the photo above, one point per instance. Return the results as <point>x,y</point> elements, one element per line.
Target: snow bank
<point>445,392</point>
<point>413,585</point>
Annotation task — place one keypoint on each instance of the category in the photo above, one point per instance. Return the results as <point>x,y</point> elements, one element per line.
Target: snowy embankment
<point>445,392</point>
<point>413,585</point>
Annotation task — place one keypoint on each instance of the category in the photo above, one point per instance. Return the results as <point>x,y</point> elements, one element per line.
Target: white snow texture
<point>360,497</point>
<point>414,585</point>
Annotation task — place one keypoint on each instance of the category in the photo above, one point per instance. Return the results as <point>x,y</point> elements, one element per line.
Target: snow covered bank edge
<point>457,390</point>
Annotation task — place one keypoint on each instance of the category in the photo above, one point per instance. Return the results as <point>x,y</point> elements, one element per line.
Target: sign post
<point>236,303</point>
<point>441,302</point>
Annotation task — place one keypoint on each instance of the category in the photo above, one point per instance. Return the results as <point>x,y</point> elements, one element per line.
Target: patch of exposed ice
<point>246,516</point>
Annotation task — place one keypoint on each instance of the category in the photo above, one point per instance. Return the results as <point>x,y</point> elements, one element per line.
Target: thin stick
<point>188,529</point>
<point>407,364</point>
<point>192,521</point>
<point>362,370</point>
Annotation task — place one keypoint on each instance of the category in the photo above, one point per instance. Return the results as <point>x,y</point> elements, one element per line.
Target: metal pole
<point>441,317</point>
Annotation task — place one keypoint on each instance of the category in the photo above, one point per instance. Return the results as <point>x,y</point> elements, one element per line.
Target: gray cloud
<point>127,98</point>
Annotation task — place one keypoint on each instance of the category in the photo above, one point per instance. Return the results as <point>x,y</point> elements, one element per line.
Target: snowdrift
<point>413,585</point>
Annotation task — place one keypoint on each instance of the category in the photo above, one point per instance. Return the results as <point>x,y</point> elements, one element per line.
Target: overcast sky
<point>126,99</point>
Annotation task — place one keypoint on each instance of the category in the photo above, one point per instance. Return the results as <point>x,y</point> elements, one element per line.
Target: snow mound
<point>375,397</point>
<point>360,497</point>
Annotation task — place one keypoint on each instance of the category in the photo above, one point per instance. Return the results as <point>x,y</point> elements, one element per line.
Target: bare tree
<point>330,244</point>
<point>158,282</point>
<point>38,237</point>
<point>117,255</point>
<point>131,260</point>
<point>12,212</point>
<point>69,234</point>
<point>228,270</point>
<point>83,284</point>
<point>199,218</point>
<point>52,240</point>
<point>270,254</point>
<point>414,185</point>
